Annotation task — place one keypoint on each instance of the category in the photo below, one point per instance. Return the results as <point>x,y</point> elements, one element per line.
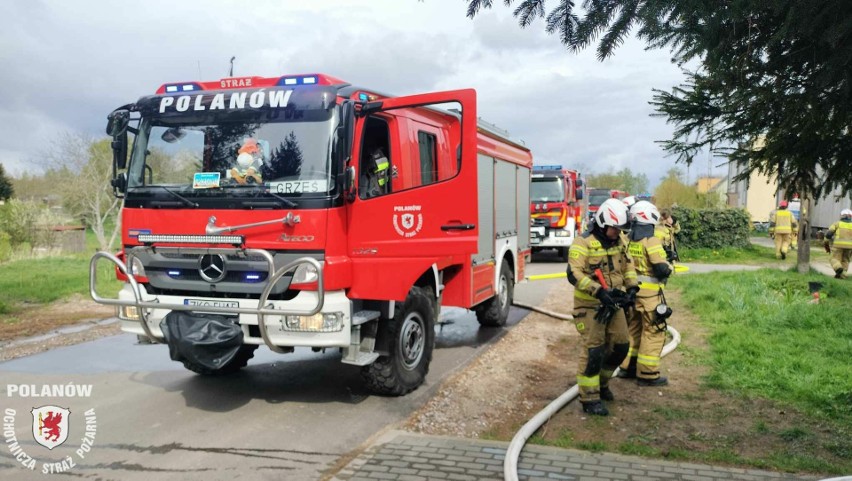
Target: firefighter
<point>665,231</point>
<point>598,255</point>
<point>782,225</point>
<point>646,325</point>
<point>374,179</point>
<point>840,235</point>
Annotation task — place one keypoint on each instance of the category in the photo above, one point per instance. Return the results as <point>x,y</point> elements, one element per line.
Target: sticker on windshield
<point>298,186</point>
<point>205,180</point>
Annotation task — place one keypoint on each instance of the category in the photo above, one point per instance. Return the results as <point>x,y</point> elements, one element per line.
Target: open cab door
<point>423,210</point>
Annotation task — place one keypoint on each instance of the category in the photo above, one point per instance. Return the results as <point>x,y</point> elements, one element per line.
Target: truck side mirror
<point>578,192</point>
<point>117,122</point>
<point>349,183</point>
<point>119,184</point>
<point>119,150</point>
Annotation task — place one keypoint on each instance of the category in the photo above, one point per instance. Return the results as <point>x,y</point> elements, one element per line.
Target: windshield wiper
<point>182,198</point>
<point>261,190</point>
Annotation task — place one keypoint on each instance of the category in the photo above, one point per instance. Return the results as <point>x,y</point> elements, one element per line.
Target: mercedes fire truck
<point>555,209</point>
<point>303,211</point>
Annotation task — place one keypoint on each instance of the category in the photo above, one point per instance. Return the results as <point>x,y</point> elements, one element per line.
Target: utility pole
<point>231,73</point>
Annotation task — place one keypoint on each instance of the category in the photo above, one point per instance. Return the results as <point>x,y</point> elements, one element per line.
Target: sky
<point>67,65</point>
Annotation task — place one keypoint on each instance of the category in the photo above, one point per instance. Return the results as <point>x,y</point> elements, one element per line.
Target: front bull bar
<point>260,311</point>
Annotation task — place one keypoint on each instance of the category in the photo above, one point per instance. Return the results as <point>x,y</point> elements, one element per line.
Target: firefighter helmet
<point>845,213</point>
<point>612,213</point>
<point>644,212</point>
<point>629,201</point>
<point>782,204</point>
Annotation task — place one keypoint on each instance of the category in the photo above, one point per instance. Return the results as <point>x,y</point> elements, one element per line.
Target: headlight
<point>319,322</point>
<point>130,313</point>
<point>135,267</point>
<point>562,233</point>
<point>304,274</point>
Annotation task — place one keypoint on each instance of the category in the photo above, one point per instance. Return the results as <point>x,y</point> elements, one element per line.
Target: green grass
<point>753,254</point>
<point>767,340</point>
<point>40,281</point>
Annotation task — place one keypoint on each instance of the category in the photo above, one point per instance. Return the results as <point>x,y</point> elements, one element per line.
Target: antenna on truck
<point>231,72</point>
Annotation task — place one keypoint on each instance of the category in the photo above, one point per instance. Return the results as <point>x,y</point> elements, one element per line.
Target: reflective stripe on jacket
<point>587,254</point>
<point>784,222</point>
<point>842,234</point>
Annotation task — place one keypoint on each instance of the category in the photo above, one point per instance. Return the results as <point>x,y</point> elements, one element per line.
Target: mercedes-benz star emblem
<point>212,267</point>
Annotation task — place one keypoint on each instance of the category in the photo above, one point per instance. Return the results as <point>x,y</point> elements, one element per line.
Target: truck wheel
<point>495,311</point>
<point>239,361</point>
<point>563,253</point>
<point>411,335</point>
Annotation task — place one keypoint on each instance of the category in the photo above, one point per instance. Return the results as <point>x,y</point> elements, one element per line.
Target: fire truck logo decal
<point>408,220</point>
<point>50,425</point>
<point>212,267</point>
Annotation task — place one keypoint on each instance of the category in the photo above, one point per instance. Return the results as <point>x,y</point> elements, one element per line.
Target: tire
<point>563,253</point>
<point>495,311</point>
<point>411,335</point>
<point>239,361</point>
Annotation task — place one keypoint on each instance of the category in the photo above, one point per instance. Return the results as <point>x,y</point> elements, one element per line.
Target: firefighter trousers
<point>646,340</point>
<point>782,244</point>
<point>840,258</point>
<point>603,347</point>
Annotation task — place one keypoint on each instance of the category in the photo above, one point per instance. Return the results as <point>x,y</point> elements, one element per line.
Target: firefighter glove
<point>608,297</point>
<point>630,297</point>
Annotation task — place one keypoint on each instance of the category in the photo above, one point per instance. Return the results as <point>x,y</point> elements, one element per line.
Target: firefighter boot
<point>630,371</point>
<point>595,408</point>
<point>606,394</point>
<point>838,273</point>
<point>660,381</point>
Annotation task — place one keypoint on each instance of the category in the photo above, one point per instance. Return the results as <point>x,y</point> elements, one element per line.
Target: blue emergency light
<point>287,81</point>
<point>363,97</point>
<point>184,87</point>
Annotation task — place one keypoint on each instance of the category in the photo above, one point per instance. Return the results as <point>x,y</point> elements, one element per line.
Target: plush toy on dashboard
<point>248,161</point>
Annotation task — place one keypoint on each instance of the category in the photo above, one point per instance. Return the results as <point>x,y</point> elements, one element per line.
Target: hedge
<point>712,228</point>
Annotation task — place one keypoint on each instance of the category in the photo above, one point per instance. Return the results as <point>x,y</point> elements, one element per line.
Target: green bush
<point>5,247</point>
<point>712,228</point>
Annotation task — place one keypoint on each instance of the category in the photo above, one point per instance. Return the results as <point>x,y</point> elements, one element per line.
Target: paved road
<point>293,416</point>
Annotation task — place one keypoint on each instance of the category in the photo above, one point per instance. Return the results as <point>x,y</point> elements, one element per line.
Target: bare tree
<point>86,194</point>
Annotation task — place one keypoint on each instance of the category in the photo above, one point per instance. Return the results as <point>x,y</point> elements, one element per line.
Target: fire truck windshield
<point>207,153</point>
<point>598,198</point>
<point>547,189</point>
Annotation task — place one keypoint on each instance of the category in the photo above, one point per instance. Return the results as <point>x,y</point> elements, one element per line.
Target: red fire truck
<point>555,209</point>
<point>596,197</point>
<point>303,211</point>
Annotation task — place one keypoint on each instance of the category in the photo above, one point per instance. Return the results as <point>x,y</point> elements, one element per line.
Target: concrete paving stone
<point>693,477</point>
<point>714,474</point>
<point>406,470</point>
<point>462,477</point>
<point>412,477</point>
<point>433,474</point>
<point>472,459</point>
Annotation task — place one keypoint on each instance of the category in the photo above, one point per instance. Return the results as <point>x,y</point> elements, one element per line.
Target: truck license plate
<point>209,303</point>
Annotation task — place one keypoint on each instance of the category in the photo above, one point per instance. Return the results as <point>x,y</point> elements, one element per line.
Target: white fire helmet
<point>612,213</point>
<point>846,213</point>
<point>644,212</point>
<point>629,201</point>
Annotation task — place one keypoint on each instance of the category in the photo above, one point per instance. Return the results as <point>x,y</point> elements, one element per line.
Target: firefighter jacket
<point>652,269</point>
<point>782,221</point>
<point>588,253</point>
<point>841,233</point>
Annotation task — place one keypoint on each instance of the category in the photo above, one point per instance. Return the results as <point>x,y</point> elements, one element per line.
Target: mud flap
<point>209,340</point>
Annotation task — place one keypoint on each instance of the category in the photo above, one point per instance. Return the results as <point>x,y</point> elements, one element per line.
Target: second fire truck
<point>555,209</point>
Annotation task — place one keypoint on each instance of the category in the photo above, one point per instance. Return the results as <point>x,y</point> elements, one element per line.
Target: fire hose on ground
<point>510,463</point>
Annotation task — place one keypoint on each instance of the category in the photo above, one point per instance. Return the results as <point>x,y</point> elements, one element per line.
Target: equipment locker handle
<point>458,227</point>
